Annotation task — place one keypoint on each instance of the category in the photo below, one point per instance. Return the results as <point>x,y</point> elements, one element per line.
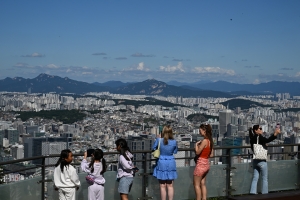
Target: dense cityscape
<point>101,118</point>
<point>88,89</point>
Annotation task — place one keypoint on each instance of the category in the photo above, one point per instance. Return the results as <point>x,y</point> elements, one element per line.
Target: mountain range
<point>45,83</point>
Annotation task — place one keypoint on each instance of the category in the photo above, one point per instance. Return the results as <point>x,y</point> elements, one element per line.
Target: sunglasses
<point>260,128</point>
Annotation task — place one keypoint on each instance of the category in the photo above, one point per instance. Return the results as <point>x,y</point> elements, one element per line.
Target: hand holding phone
<point>90,152</point>
<point>278,125</point>
<point>135,169</point>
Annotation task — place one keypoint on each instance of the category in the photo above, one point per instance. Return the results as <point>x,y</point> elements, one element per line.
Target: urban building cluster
<point>105,122</point>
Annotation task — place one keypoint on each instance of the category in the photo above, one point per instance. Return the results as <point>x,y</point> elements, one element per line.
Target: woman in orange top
<point>205,150</point>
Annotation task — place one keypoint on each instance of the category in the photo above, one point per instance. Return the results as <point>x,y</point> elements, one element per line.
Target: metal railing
<point>229,165</point>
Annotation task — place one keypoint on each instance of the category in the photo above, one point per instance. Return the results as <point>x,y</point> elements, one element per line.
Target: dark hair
<point>124,147</point>
<point>252,130</point>
<point>98,155</point>
<point>167,133</point>
<point>64,154</point>
<point>208,134</point>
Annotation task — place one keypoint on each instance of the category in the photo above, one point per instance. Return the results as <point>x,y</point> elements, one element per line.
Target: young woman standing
<point>255,133</point>
<point>66,180</point>
<point>125,168</point>
<point>205,150</point>
<point>165,169</point>
<point>96,169</point>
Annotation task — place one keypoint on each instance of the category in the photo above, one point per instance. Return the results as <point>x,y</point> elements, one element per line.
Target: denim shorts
<point>125,184</point>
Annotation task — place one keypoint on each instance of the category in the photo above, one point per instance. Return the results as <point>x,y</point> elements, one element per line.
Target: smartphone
<point>135,169</point>
<point>90,152</point>
<point>278,125</point>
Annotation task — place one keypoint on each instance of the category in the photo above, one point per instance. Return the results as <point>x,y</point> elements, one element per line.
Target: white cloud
<point>213,70</point>
<point>52,66</point>
<point>86,73</point>
<point>142,67</point>
<point>36,55</point>
<point>256,81</point>
<point>139,67</point>
<point>178,67</point>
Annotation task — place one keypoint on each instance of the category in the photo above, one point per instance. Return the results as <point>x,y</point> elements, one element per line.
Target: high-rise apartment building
<point>12,135</point>
<point>141,142</point>
<point>17,151</point>
<point>225,119</point>
<point>49,148</point>
<point>33,146</point>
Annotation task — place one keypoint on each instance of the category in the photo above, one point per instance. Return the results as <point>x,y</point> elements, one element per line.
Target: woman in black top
<point>260,165</point>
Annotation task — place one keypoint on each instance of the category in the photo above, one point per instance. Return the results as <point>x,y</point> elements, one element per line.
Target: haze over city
<point>186,41</point>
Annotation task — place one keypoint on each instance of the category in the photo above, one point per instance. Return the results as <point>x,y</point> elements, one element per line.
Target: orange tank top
<point>206,151</point>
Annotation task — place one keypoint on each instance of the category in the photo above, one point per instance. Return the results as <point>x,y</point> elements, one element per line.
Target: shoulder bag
<point>156,153</point>
<point>90,179</point>
<point>259,152</point>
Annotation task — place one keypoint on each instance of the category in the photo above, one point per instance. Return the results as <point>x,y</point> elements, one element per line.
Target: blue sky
<point>187,41</point>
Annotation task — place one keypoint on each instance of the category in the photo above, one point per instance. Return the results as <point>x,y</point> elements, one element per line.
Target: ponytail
<point>251,135</point>
<point>98,155</point>
<point>104,166</point>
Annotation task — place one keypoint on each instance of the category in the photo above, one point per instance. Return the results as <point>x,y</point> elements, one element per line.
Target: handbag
<point>90,179</point>
<point>156,153</point>
<point>259,152</point>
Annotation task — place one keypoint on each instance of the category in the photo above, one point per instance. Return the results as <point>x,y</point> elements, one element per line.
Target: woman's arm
<point>84,164</point>
<point>199,146</point>
<point>125,163</point>
<point>211,153</point>
<point>74,177</point>
<point>176,148</point>
<point>155,145</point>
<point>264,140</point>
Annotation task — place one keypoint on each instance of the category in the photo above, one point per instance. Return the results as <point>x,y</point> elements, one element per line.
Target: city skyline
<point>235,41</point>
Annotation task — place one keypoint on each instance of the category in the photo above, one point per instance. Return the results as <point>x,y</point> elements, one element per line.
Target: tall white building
<point>17,151</point>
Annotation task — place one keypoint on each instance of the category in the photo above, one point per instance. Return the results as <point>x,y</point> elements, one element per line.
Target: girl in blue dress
<point>165,169</point>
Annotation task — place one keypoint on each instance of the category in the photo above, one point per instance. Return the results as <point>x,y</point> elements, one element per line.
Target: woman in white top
<point>96,169</point>
<point>66,180</point>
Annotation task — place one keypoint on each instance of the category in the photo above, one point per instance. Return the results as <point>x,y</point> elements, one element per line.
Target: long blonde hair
<point>167,134</point>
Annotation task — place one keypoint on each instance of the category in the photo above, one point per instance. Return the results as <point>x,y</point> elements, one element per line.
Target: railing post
<point>228,172</point>
<point>144,182</point>
<point>298,153</point>
<point>43,178</point>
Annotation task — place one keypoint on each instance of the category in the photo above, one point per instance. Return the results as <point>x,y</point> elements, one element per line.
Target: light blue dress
<point>165,168</point>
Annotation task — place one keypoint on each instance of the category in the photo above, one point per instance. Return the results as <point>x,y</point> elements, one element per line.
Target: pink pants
<point>96,192</point>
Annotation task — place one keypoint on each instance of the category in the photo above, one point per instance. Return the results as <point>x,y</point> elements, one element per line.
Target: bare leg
<point>197,187</point>
<point>163,189</point>
<point>170,189</point>
<point>203,188</point>
<point>124,196</point>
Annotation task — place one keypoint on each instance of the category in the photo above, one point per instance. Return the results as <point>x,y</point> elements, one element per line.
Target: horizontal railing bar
<point>145,151</point>
<point>19,170</point>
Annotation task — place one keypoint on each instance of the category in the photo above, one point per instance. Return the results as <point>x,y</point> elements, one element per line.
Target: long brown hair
<point>208,134</point>
<point>167,133</point>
